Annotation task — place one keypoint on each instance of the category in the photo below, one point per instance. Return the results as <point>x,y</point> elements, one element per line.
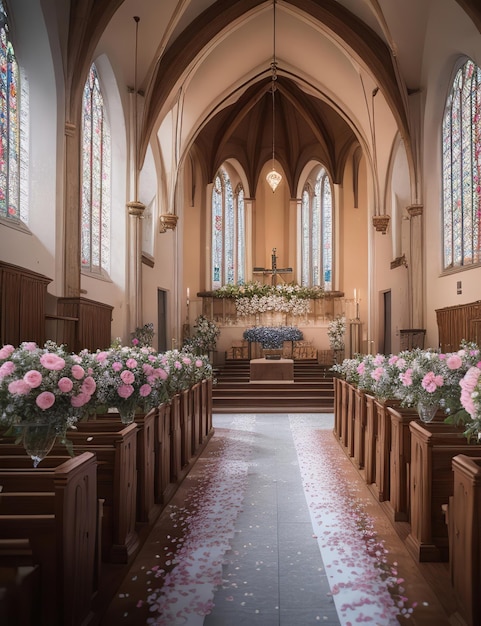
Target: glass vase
<point>38,439</point>
<point>427,411</point>
<point>127,414</point>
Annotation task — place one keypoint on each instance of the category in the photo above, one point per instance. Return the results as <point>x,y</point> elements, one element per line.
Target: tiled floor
<point>252,538</point>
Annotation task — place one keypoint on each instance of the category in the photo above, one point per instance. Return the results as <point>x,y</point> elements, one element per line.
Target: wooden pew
<point>163,478</point>
<point>62,537</point>
<point>359,428</point>
<point>206,403</point>
<point>464,527</point>
<point>370,441</point>
<point>20,596</point>
<point>115,446</point>
<point>433,447</point>
<point>147,508</point>
<point>381,484</point>
<point>337,406</point>
<point>186,427</point>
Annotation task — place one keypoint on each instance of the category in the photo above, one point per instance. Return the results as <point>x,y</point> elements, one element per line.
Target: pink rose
<point>393,359</point>
<point>117,366</point>
<point>33,379</point>
<point>78,372</point>
<point>132,363</point>
<point>6,351</point>
<point>101,357</point>
<point>151,358</point>
<point>186,360</point>
<point>145,390</point>
<point>30,346</point>
<point>127,377</point>
<point>198,363</point>
<point>454,362</point>
<point>360,368</point>
<point>161,373</point>
<point>19,387</point>
<point>65,385</point>
<point>6,369</point>
<point>379,359</point>
<point>147,369</point>
<point>377,373</point>
<point>52,361</point>
<point>135,341</point>
<point>45,400</point>
<point>125,391</point>
<point>79,400</point>
<point>76,358</point>
<point>431,382</point>
<point>406,377</point>
<point>89,386</point>
<point>177,365</point>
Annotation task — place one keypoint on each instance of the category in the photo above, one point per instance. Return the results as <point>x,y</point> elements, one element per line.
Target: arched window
<point>316,232</point>
<point>96,185</point>
<point>228,232</point>
<point>13,131</point>
<point>461,166</point>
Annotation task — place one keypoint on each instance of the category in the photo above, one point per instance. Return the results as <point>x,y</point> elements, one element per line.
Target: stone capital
<point>415,209</point>
<point>381,222</point>
<point>136,208</point>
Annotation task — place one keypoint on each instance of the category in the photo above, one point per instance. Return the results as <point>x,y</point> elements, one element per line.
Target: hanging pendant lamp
<point>273,177</point>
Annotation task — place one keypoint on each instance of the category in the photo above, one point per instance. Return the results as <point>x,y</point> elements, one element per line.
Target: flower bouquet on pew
<point>129,380</point>
<point>185,369</point>
<point>43,393</point>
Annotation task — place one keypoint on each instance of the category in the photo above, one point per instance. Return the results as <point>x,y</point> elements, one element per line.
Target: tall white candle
<point>188,295</point>
<point>355,294</point>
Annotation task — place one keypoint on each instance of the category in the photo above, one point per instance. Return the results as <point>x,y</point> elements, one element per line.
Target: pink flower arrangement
<point>43,384</point>
<point>129,380</point>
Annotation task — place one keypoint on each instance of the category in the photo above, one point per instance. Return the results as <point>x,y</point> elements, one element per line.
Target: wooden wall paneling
<point>23,296</point>
<point>455,324</point>
<point>93,329</point>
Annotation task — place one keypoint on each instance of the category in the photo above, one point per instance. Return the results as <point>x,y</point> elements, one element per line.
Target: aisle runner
<point>356,561</point>
<point>187,593</point>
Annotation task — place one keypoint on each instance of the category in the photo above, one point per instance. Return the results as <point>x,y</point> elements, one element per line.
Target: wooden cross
<point>274,271</point>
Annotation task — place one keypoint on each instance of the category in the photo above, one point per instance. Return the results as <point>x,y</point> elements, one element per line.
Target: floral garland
<point>253,297</point>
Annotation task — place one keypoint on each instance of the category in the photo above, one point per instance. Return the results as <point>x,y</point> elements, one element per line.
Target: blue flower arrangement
<point>273,336</point>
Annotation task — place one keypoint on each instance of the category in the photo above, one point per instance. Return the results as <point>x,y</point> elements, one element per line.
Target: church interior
<point>187,167</point>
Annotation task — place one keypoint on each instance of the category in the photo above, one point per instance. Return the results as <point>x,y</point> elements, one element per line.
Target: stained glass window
<point>10,153</point>
<point>317,233</point>
<point>96,191</point>
<point>228,232</point>
<point>461,169</point>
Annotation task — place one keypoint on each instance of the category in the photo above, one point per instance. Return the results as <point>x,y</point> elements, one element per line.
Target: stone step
<point>312,390</point>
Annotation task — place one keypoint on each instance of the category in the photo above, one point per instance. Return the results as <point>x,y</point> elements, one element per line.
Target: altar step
<point>311,392</point>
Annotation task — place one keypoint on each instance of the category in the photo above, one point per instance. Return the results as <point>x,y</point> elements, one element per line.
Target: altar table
<point>262,370</point>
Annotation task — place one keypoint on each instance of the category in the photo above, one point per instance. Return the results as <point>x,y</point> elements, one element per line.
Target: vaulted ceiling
<point>215,57</point>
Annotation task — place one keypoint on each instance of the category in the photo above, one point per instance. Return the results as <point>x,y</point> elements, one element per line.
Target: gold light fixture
<point>274,178</point>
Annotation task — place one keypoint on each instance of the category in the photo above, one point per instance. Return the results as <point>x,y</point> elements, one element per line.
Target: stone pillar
<point>71,213</point>
<point>134,254</point>
<point>416,265</point>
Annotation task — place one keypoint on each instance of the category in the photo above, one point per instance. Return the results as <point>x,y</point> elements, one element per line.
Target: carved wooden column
<point>416,265</point>
<point>72,211</point>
